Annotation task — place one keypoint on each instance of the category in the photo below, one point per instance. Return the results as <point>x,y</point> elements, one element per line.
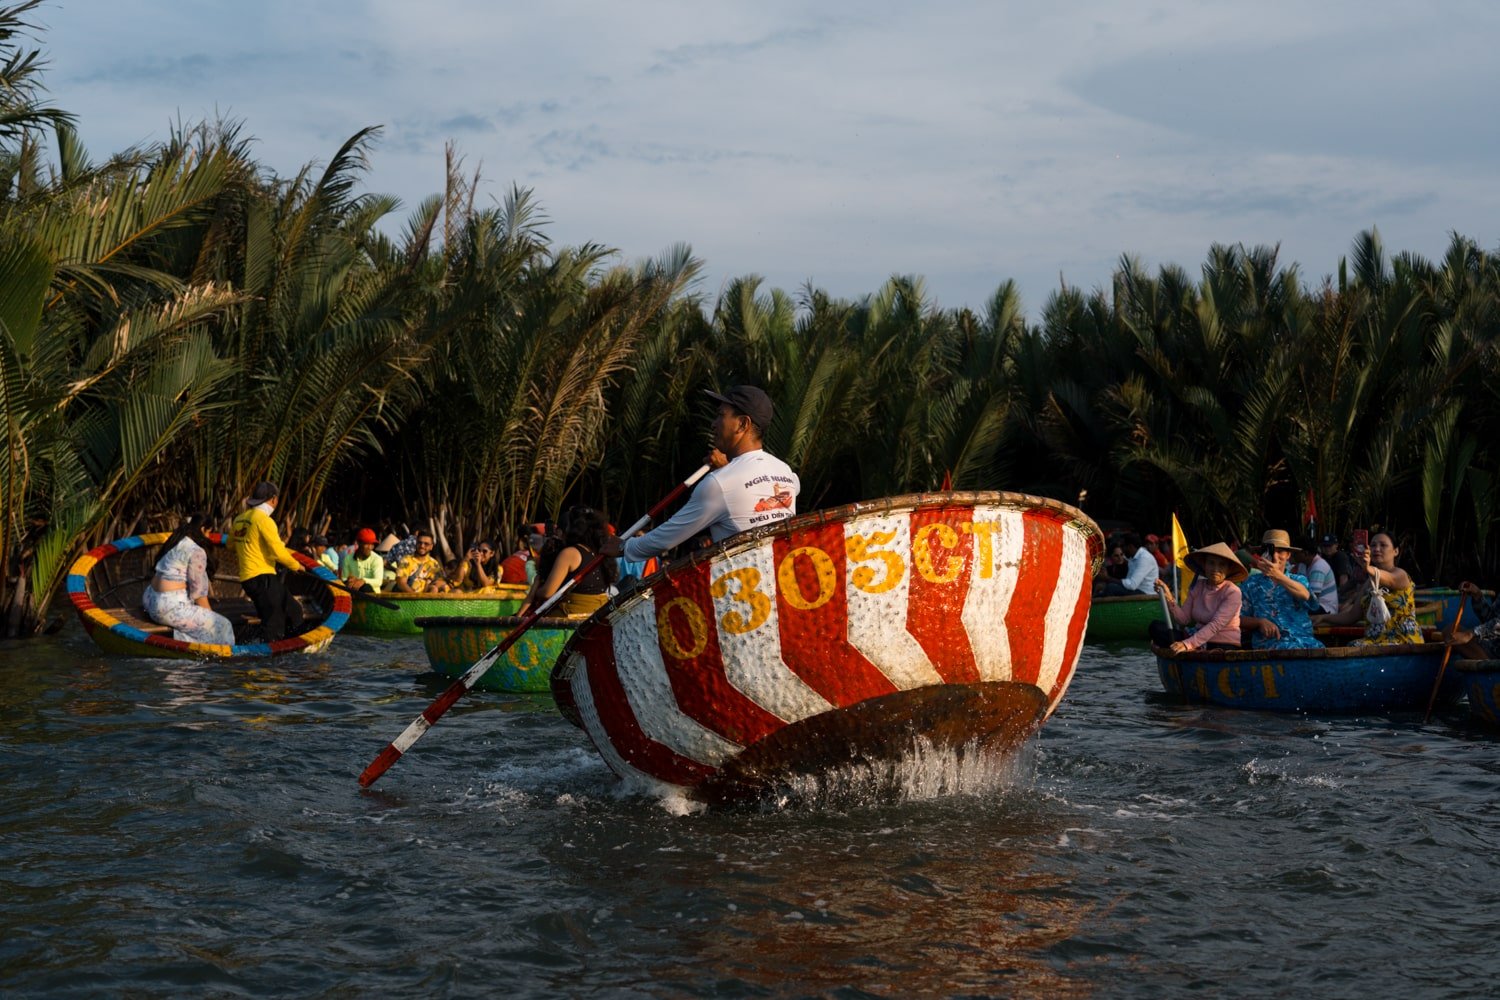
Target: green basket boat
<point>455,644</point>
<point>369,618</point>
<point>1122,619</point>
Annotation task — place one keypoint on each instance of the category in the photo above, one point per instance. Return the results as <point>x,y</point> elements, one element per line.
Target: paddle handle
<point>1432,698</point>
<point>432,713</point>
<point>388,605</point>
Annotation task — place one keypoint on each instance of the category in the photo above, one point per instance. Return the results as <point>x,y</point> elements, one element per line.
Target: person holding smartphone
<point>1375,566</point>
<point>1274,606</point>
<point>477,571</point>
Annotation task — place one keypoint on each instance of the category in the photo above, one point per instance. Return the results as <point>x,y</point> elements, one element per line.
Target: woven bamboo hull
<point>117,572</point>
<point>1339,680</point>
<point>1481,683</point>
<point>1122,619</point>
<point>369,618</point>
<point>455,644</point>
<point>1442,604</point>
<point>955,619</point>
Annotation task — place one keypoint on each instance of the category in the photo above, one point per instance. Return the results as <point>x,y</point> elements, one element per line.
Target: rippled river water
<point>197,830</point>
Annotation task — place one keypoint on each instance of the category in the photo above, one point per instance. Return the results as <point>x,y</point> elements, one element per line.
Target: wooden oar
<point>1432,699</point>
<point>388,605</point>
<point>460,687</point>
<point>1448,631</point>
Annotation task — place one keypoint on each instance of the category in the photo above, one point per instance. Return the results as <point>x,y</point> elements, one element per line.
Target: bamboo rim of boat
<point>1477,666</point>
<point>505,591</point>
<point>77,585</point>
<point>503,621</point>
<point>1061,512</point>
<point>1427,648</point>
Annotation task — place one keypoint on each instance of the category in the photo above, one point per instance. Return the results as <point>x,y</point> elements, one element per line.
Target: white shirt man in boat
<point>1141,576</point>
<point>748,487</point>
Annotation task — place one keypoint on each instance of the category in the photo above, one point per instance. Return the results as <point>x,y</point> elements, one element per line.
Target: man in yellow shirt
<point>420,572</point>
<point>258,551</point>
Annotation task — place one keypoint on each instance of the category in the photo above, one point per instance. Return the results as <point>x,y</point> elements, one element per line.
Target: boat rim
<point>84,565</point>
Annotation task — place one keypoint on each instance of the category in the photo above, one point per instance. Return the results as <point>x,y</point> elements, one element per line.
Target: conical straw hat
<point>1237,570</point>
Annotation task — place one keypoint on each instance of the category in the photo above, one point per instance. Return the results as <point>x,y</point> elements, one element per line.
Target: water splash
<point>924,773</point>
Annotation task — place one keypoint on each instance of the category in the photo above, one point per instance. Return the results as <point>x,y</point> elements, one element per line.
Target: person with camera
<point>1275,601</point>
<point>477,571</point>
<point>1382,582</point>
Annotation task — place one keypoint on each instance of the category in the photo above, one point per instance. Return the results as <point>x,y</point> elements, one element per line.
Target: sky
<point>836,144</point>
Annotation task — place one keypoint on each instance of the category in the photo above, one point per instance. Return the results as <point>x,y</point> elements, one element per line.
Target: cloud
<point>1389,91</point>
<point>694,56</point>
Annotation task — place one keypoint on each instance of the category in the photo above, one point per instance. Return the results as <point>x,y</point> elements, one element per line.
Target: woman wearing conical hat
<point>1211,616</point>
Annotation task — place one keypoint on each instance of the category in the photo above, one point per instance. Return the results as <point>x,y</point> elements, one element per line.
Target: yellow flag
<point>1179,558</point>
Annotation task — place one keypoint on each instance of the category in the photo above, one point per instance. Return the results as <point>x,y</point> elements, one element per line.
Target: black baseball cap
<point>263,492</point>
<point>746,399</point>
<point>1329,540</point>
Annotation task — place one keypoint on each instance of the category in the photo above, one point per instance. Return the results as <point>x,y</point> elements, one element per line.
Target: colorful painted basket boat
<point>1122,619</point>
<point>371,619</point>
<point>1335,680</point>
<point>105,586</point>
<point>1481,683</point>
<point>856,634</point>
<point>455,644</point>
<point>1447,601</point>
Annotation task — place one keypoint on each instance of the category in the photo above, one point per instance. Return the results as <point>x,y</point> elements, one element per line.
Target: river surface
<point>197,830</point>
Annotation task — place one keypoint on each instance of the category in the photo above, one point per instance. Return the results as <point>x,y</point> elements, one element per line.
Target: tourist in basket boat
<point>584,531</point>
<point>1483,643</point>
<point>1275,601</point>
<point>748,487</point>
<point>1376,564</point>
<point>1212,612</point>
<point>178,594</point>
<point>477,570</point>
<point>420,572</point>
<point>364,568</point>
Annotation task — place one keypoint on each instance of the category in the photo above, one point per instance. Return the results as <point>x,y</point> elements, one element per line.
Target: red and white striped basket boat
<point>836,637</point>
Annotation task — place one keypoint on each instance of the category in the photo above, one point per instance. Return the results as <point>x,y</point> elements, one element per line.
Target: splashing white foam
<point>923,773</point>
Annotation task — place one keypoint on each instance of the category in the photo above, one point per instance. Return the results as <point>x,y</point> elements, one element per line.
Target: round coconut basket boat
<point>1330,680</point>
<point>106,584</point>
<point>843,636</point>
<point>1441,604</point>
<point>1481,683</point>
<point>369,618</point>
<point>1122,619</point>
<point>455,644</point>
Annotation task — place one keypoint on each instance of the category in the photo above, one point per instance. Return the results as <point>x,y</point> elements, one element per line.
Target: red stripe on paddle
<point>1026,619</point>
<point>935,607</point>
<point>685,625</point>
<point>619,722</point>
<point>814,631</point>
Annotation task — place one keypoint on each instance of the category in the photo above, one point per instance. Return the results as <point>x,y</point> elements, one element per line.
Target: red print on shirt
<point>779,499</point>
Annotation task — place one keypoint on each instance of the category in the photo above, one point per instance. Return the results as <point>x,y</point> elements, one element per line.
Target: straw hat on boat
<point>1237,570</point>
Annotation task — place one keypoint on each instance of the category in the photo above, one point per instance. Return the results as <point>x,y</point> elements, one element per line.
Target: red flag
<point>947,481</point>
<point>1310,516</point>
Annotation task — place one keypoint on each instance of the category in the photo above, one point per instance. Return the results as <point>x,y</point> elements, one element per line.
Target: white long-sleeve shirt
<point>754,489</point>
<point>1143,572</point>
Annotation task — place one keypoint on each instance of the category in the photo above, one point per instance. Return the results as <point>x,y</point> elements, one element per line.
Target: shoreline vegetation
<point>177,323</point>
